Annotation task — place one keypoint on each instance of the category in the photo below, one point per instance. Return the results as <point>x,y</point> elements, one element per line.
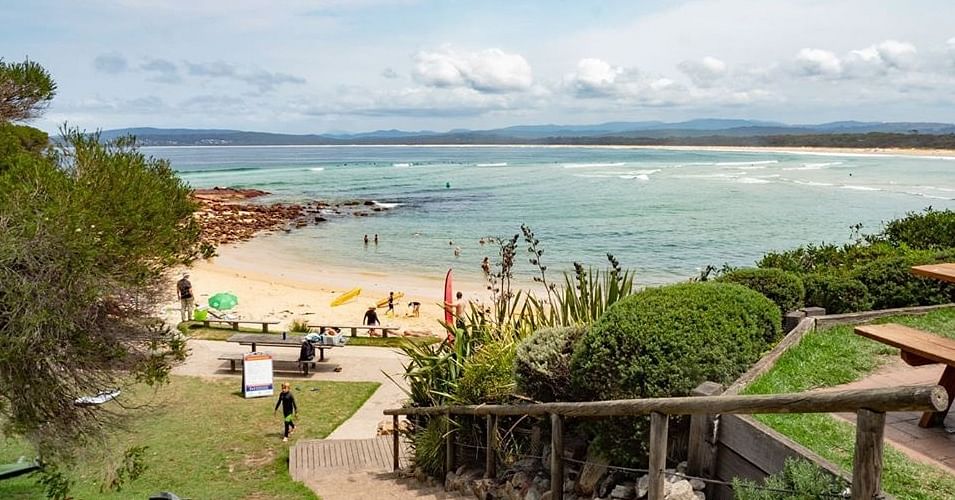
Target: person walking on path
<point>289,409</point>
<point>371,319</point>
<point>186,300</point>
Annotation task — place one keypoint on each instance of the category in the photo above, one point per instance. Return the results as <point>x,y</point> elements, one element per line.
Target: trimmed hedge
<point>784,288</point>
<point>664,342</point>
<point>891,283</point>
<point>837,293</point>
<point>542,364</point>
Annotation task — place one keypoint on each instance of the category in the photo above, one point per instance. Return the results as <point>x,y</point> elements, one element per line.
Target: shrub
<point>891,283</point>
<point>664,342</point>
<point>927,230</point>
<point>428,443</point>
<point>542,364</point>
<point>837,293</point>
<point>488,375</point>
<point>799,479</point>
<point>782,287</point>
<point>298,325</point>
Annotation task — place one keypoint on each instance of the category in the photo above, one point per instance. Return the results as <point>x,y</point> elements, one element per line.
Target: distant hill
<point>692,132</point>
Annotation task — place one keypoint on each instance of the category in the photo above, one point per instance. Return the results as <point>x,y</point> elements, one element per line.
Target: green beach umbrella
<point>223,300</point>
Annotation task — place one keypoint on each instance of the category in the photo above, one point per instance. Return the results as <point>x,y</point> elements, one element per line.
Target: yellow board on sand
<point>384,302</point>
<point>345,297</point>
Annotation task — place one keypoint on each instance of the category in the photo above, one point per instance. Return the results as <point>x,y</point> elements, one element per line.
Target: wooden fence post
<point>394,439</point>
<point>701,452</point>
<point>448,446</point>
<point>490,462</point>
<point>658,454</point>
<point>556,457</point>
<point>867,465</point>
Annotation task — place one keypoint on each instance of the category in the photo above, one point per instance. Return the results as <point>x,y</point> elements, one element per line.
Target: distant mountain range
<point>692,132</point>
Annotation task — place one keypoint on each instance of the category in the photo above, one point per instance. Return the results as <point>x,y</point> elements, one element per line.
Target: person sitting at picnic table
<point>371,319</point>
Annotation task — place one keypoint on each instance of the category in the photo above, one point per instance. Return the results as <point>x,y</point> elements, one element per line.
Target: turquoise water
<point>663,213</point>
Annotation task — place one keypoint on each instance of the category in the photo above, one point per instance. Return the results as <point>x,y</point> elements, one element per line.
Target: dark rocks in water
<point>320,219</point>
<point>369,203</point>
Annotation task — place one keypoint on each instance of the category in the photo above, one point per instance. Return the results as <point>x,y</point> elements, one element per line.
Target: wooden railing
<point>870,406</point>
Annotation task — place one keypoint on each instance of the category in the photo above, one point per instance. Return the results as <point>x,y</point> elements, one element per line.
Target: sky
<point>297,66</point>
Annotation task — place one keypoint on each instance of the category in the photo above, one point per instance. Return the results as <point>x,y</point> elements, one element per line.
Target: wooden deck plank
<point>926,345</point>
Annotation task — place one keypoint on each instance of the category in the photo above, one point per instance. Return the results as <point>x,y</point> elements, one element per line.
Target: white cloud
<point>595,77</point>
<point>490,70</point>
<point>705,72</point>
<point>818,62</point>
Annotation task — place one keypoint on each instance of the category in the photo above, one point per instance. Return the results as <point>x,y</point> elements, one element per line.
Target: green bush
<point>837,293</point>
<point>891,283</point>
<point>664,342</point>
<point>927,230</point>
<point>429,446</point>
<point>799,480</point>
<point>298,325</point>
<point>488,375</point>
<point>542,364</point>
<point>782,287</point>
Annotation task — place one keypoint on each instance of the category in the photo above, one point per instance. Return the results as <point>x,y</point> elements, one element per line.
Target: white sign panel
<point>257,375</point>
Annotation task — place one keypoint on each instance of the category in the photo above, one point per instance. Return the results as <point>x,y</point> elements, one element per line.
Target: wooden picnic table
<point>919,348</point>
<point>275,340</point>
<point>944,272</point>
<point>385,330</point>
<point>235,322</point>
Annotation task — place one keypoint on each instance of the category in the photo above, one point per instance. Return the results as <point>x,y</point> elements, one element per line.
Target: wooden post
<point>535,439</point>
<point>867,465</point>
<point>448,446</point>
<point>701,451</point>
<point>490,462</point>
<point>557,457</point>
<point>394,439</point>
<point>658,454</point>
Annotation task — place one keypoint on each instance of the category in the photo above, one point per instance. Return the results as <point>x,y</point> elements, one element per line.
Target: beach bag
<point>307,353</point>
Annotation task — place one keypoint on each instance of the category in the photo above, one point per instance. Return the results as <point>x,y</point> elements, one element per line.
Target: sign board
<point>257,375</point>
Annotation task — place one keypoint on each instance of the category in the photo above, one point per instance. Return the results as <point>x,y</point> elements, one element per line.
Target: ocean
<point>663,213</point>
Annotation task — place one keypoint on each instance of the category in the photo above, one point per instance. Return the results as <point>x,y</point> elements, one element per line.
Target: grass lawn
<point>837,356</point>
<point>205,441</point>
<point>197,331</point>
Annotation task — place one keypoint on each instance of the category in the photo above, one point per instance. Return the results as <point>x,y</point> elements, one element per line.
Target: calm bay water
<point>663,213</point>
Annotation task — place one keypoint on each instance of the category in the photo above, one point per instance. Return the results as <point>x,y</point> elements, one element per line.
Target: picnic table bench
<point>385,330</point>
<point>274,340</point>
<point>919,348</point>
<point>235,323</point>
<point>305,365</point>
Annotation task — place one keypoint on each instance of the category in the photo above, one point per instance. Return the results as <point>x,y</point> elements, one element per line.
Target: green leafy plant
<point>891,283</point>
<point>799,480</point>
<point>926,230</point>
<point>836,292</point>
<point>488,375</point>
<point>664,342</point>
<point>782,287</point>
<point>298,325</point>
<point>542,363</point>
<point>429,447</point>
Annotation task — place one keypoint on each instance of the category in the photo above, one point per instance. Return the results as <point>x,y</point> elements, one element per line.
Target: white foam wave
<point>926,195</point>
<point>645,172</point>
<point>936,188</point>
<point>747,167</point>
<point>752,180</point>
<point>400,165</point>
<point>385,205</point>
<point>815,166</point>
<point>639,177</point>
<point>316,169</point>
<point>860,188</point>
<point>737,163</point>
<point>593,165</point>
<point>813,183</point>
<point>499,164</point>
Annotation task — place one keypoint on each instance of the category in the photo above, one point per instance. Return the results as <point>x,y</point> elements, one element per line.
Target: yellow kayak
<point>384,302</point>
<point>345,297</point>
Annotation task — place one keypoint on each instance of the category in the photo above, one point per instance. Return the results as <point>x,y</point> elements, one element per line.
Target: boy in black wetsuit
<point>288,408</point>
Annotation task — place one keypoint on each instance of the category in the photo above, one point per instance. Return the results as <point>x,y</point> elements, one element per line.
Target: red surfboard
<point>448,298</point>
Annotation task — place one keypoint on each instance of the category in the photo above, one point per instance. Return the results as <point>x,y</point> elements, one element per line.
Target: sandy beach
<point>270,288</point>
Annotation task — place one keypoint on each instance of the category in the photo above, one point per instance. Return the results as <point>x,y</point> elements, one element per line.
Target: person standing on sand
<point>371,319</point>
<point>289,409</point>
<point>391,304</point>
<point>486,266</point>
<point>457,310</point>
<point>186,299</point>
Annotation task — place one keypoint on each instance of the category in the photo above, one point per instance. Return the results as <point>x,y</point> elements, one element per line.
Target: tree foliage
<point>87,233</point>
<point>25,90</point>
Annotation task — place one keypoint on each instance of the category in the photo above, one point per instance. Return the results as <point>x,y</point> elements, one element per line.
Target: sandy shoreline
<point>270,288</point>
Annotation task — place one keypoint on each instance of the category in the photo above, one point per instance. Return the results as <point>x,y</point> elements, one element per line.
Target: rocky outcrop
<point>224,216</point>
